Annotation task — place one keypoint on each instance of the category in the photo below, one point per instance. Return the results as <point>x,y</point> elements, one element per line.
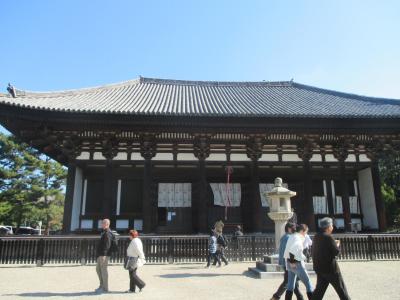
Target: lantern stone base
<point>269,268</point>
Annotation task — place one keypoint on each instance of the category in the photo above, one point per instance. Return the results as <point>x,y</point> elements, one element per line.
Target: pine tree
<point>31,185</point>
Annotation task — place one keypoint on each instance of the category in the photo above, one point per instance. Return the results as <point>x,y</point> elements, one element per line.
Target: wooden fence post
<point>83,251</point>
<point>40,253</point>
<point>253,248</point>
<point>371,248</point>
<point>170,250</point>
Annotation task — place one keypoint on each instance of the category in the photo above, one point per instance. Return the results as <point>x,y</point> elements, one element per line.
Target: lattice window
<point>221,192</point>
<point>174,195</point>
<point>320,205</point>
<point>267,187</point>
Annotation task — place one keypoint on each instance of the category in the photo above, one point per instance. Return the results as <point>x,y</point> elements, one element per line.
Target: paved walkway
<point>365,280</point>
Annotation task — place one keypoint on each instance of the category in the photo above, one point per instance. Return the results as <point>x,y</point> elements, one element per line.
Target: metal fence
<point>179,249</point>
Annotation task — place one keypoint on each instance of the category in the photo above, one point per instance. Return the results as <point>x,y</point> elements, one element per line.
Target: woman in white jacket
<point>135,249</point>
<point>295,262</point>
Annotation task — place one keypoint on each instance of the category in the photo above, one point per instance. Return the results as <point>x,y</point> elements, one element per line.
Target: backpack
<point>114,243</point>
<point>222,241</point>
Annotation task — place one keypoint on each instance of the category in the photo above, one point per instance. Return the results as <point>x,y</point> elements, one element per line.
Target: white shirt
<point>307,242</point>
<point>295,246</point>
<point>135,249</point>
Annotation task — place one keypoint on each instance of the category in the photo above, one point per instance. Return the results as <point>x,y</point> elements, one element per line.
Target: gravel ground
<point>365,280</point>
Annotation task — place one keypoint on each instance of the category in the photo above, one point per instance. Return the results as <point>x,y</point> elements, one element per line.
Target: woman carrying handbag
<point>135,259</point>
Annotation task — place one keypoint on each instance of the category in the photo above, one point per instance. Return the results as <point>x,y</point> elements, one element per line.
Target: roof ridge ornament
<point>11,90</point>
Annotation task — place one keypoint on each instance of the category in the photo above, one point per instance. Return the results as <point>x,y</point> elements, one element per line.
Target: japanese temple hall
<point>175,156</point>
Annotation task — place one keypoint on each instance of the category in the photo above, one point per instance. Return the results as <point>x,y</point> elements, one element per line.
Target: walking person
<point>290,228</point>
<point>221,245</point>
<point>212,249</point>
<point>324,253</point>
<point>307,247</point>
<point>103,254</point>
<point>238,231</point>
<point>295,262</point>
<point>136,258</point>
<point>236,241</point>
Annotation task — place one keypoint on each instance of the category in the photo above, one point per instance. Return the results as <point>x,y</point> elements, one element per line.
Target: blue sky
<point>350,46</point>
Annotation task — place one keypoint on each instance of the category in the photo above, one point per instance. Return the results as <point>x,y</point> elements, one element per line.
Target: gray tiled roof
<point>146,96</point>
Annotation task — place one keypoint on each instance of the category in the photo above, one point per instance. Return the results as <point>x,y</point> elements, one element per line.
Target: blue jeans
<point>298,270</point>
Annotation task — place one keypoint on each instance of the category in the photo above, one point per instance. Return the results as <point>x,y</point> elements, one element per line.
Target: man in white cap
<point>324,253</point>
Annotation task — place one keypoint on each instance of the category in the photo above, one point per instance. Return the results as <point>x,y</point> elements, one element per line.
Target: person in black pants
<point>324,252</point>
<point>212,249</point>
<point>135,250</point>
<point>221,245</point>
<point>290,228</point>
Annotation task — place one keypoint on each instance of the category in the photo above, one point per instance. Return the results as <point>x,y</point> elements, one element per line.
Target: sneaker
<point>98,290</point>
<point>141,288</point>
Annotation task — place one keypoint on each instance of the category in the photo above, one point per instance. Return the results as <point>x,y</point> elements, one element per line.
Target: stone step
<point>266,267</point>
<point>271,259</point>
<point>265,275</point>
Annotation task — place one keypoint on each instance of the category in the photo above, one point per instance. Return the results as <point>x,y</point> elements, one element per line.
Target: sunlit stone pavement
<point>365,280</point>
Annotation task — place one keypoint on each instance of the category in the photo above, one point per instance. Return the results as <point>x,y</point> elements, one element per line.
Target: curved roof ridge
<point>213,83</point>
<point>149,96</point>
<point>346,95</point>
<point>77,91</point>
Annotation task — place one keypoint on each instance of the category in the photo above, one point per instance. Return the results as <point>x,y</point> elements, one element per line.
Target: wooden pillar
<point>329,197</point>
<point>148,225</point>
<point>201,223</point>
<point>341,152</point>
<point>374,150</point>
<point>305,150</point>
<point>345,195</point>
<point>380,206</point>
<point>148,149</point>
<point>308,212</point>
<point>108,193</point>
<point>109,151</point>
<point>201,149</point>
<point>255,206</point>
<point>69,197</point>
<point>252,206</point>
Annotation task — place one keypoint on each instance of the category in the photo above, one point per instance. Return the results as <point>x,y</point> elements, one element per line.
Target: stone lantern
<point>280,208</point>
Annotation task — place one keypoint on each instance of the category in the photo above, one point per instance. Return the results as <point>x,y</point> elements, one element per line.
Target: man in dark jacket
<point>221,245</point>
<point>324,252</point>
<point>103,252</point>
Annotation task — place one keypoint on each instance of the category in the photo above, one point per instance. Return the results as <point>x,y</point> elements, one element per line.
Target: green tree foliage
<point>31,185</point>
<point>390,175</point>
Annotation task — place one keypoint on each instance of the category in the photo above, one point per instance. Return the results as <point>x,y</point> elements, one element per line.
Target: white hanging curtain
<point>320,205</point>
<point>220,194</point>
<point>338,205</point>
<point>174,195</point>
<point>354,207</point>
<point>267,187</point>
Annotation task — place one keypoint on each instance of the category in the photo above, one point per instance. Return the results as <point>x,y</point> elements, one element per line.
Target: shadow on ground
<point>188,275</point>
<point>76,294</point>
